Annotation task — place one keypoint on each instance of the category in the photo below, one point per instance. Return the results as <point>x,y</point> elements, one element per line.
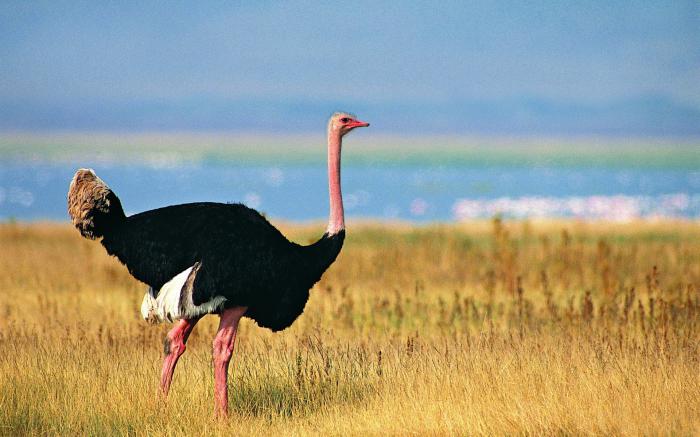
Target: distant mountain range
<point>640,116</point>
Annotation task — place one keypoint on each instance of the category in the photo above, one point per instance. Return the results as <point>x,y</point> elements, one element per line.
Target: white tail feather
<point>173,302</point>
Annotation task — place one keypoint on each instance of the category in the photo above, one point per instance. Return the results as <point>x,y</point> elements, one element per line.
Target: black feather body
<point>243,257</point>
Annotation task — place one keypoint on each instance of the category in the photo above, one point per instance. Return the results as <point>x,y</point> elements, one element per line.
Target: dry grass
<point>482,328</point>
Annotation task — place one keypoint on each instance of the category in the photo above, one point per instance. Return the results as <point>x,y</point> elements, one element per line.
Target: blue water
<point>30,191</point>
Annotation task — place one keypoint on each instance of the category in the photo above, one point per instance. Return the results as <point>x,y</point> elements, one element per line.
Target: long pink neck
<point>336,221</point>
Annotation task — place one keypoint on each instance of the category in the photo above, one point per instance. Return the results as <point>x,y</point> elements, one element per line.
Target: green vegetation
<point>167,149</point>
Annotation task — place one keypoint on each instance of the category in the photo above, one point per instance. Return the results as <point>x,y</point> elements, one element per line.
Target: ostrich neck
<point>336,220</point>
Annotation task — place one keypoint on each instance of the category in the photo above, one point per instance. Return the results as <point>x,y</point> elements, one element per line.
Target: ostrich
<point>213,258</point>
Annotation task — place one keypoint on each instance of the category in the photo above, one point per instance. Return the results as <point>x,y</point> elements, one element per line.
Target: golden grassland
<point>484,328</point>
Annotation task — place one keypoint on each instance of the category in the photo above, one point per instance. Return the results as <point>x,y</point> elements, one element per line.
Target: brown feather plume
<point>92,206</point>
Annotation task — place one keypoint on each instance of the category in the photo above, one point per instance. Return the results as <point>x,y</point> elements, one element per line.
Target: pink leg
<point>174,347</point>
<point>222,352</point>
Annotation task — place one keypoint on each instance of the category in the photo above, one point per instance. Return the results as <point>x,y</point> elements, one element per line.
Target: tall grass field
<point>482,328</point>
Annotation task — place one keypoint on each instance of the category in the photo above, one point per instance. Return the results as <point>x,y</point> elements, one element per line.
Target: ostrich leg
<point>174,347</point>
<point>222,352</point>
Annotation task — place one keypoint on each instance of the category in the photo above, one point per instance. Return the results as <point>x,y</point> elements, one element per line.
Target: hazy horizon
<point>503,68</point>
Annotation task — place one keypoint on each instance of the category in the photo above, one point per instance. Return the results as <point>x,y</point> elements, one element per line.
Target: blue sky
<point>585,67</point>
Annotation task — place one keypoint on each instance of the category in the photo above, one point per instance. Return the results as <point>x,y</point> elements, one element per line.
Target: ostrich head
<point>343,122</point>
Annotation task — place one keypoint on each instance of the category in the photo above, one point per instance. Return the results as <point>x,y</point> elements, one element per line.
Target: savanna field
<point>481,328</point>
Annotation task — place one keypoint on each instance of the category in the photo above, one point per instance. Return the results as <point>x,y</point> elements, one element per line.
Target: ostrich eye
<point>344,119</point>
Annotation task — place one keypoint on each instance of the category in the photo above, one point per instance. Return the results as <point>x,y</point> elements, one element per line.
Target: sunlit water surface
<point>31,191</point>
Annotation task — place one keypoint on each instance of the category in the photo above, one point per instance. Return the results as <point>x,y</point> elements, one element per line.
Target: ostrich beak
<point>358,123</point>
